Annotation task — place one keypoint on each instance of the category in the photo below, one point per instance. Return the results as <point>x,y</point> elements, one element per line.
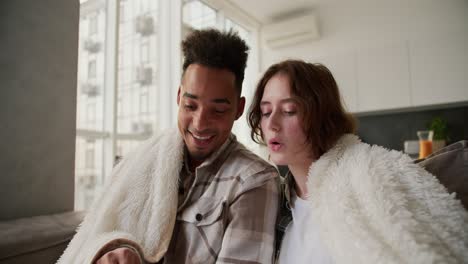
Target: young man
<point>197,196</point>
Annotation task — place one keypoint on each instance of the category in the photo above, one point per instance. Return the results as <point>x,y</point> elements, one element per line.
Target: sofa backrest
<point>450,166</point>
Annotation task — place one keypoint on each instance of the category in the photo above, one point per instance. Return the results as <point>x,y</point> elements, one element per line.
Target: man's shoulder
<point>242,153</point>
<point>249,164</point>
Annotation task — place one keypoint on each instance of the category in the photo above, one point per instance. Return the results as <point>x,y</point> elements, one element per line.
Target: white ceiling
<point>266,11</point>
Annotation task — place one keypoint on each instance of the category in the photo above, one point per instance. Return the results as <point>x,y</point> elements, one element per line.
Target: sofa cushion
<point>40,237</point>
<point>450,166</point>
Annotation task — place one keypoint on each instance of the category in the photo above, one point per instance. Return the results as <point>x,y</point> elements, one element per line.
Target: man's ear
<point>178,96</point>
<point>240,107</point>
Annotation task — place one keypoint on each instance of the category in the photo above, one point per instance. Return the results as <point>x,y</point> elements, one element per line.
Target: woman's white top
<point>301,242</point>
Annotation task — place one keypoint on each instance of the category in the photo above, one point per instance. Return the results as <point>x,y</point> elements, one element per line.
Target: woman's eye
<point>266,114</point>
<point>290,113</point>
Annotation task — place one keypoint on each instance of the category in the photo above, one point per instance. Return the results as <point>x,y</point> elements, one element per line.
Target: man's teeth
<point>200,138</point>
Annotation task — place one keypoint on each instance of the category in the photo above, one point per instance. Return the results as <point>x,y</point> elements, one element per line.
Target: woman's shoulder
<point>358,151</point>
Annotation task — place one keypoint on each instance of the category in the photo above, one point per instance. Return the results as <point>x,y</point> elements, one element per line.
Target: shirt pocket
<point>204,212</point>
<point>202,230</point>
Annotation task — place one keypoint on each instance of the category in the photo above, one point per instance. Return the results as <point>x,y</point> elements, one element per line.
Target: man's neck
<point>193,164</point>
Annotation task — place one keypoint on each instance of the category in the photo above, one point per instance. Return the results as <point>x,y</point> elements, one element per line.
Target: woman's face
<point>281,123</point>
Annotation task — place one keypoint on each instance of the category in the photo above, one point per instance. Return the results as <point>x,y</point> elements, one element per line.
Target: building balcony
<point>92,46</point>
<point>144,25</point>
<point>144,75</point>
<point>90,89</point>
<point>142,128</point>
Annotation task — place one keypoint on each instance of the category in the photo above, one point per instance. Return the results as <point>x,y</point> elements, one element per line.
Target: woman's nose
<point>273,122</point>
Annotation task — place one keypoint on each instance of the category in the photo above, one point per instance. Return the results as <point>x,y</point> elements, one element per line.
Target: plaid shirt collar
<point>288,188</point>
<point>285,215</point>
<point>214,159</point>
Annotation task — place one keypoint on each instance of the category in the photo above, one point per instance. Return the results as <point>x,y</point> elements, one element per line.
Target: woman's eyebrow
<point>286,100</point>
<point>289,100</point>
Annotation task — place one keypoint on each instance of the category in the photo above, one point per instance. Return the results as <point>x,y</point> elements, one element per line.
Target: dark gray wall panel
<point>38,67</point>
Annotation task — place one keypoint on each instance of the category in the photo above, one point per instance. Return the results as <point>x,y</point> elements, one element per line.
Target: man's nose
<point>201,120</point>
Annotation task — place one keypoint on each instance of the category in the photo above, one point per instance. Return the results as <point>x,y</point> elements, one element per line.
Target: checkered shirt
<point>227,210</point>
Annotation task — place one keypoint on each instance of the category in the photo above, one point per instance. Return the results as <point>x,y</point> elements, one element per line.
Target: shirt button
<point>199,217</point>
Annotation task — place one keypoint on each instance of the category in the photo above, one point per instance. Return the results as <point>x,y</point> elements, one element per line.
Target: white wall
<point>389,54</point>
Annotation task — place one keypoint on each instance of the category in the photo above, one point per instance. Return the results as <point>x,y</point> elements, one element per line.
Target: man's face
<point>208,106</point>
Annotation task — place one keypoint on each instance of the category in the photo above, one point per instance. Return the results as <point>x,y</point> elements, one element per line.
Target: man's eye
<point>221,109</point>
<point>189,107</point>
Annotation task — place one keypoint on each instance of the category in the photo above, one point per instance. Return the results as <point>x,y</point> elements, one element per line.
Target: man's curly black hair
<point>213,48</point>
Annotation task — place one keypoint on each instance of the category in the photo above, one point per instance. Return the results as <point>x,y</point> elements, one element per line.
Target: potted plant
<point>440,137</point>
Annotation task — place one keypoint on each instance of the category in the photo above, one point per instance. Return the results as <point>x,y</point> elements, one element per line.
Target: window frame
<point>93,26</point>
<point>169,31</point>
<point>109,133</point>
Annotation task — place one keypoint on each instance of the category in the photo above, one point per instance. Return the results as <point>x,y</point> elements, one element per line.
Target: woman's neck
<point>299,172</point>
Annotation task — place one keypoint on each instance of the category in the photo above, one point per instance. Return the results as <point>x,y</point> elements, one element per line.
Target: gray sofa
<point>450,166</point>
<point>39,239</point>
<point>42,239</point>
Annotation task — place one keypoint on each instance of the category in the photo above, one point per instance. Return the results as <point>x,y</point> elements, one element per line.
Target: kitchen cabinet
<point>439,70</point>
<point>410,73</point>
<point>383,77</point>
<point>343,68</point>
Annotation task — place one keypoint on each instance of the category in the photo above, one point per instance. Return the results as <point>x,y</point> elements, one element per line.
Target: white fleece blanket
<point>139,204</point>
<point>377,206</point>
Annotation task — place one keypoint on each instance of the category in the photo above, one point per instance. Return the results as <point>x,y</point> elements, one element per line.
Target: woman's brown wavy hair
<point>324,118</point>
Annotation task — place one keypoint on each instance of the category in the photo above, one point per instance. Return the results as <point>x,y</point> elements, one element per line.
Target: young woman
<point>350,202</point>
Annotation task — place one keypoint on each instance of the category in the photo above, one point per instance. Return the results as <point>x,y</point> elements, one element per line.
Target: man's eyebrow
<point>217,100</point>
<point>189,95</point>
<point>221,101</point>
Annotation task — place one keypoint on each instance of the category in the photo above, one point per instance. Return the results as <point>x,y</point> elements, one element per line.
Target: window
<point>117,118</point>
<point>144,52</point>
<point>144,101</point>
<point>243,33</point>
<point>124,112</point>
<point>144,7</point>
<point>87,171</point>
<point>119,107</point>
<point>91,112</point>
<point>92,69</point>
<point>122,12</point>
<point>89,155</point>
<point>93,24</point>
<point>89,162</point>
<point>198,15</point>
<point>121,59</point>
<point>125,146</point>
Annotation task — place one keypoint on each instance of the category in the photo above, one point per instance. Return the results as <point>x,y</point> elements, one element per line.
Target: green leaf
<point>440,128</point>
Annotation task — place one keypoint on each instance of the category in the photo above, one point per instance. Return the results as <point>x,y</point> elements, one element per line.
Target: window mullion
<point>220,20</point>
<point>110,86</point>
<point>169,60</point>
